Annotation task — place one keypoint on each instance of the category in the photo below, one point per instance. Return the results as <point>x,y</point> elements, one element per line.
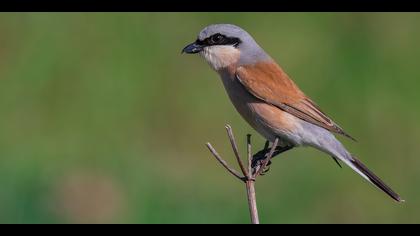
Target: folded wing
<point>268,82</point>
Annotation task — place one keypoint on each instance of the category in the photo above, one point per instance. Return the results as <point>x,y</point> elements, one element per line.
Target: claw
<point>259,157</point>
<point>267,168</point>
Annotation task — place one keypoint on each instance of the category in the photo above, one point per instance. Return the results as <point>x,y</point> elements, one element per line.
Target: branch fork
<point>248,173</point>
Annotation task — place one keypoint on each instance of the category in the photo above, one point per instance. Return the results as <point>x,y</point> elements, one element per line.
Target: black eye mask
<point>219,39</point>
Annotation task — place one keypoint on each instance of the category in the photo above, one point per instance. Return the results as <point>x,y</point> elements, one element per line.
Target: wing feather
<point>268,82</point>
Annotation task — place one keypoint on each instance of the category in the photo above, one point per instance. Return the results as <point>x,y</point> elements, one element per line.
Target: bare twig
<point>249,153</point>
<point>235,149</point>
<point>252,201</point>
<point>250,173</point>
<point>223,162</point>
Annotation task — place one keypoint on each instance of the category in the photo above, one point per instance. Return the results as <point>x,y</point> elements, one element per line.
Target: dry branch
<point>249,173</point>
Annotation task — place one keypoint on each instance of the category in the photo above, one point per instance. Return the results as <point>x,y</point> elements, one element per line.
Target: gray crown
<point>251,52</point>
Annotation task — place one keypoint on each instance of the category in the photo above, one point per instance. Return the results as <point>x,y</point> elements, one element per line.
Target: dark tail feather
<point>375,179</point>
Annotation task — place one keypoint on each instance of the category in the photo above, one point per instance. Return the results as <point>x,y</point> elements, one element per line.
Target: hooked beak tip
<point>192,48</point>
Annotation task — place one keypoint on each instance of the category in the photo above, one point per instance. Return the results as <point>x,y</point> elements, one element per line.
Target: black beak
<point>192,48</point>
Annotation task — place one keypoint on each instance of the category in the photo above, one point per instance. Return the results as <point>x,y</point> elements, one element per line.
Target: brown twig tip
<point>235,150</point>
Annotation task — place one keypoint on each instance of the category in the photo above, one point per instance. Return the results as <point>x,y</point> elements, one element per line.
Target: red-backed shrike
<point>269,100</point>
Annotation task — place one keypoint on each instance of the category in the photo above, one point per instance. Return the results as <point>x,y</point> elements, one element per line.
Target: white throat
<point>220,56</point>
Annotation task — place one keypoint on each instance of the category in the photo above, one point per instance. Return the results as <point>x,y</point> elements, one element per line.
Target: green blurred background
<point>102,120</point>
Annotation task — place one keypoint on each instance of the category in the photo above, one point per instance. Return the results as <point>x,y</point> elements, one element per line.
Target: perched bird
<point>269,100</point>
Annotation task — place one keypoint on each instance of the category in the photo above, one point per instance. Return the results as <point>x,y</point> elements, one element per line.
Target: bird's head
<point>223,45</point>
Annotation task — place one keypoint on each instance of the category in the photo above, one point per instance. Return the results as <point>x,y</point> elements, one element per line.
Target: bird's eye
<point>217,38</point>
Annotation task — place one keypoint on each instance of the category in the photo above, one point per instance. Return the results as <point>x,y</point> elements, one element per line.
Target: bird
<point>270,101</point>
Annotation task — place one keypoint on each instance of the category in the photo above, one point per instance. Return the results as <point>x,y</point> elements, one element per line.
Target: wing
<point>268,82</point>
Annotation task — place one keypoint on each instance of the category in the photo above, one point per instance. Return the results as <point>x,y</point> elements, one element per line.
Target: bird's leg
<point>277,152</point>
<point>259,157</point>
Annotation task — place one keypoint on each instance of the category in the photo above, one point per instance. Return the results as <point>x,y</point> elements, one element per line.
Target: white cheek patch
<point>220,56</point>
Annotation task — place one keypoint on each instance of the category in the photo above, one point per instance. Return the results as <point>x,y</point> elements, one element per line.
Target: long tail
<point>360,168</point>
<point>327,142</point>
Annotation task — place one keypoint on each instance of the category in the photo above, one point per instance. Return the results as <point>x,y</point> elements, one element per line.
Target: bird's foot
<point>260,157</point>
<point>258,163</point>
<point>266,168</point>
